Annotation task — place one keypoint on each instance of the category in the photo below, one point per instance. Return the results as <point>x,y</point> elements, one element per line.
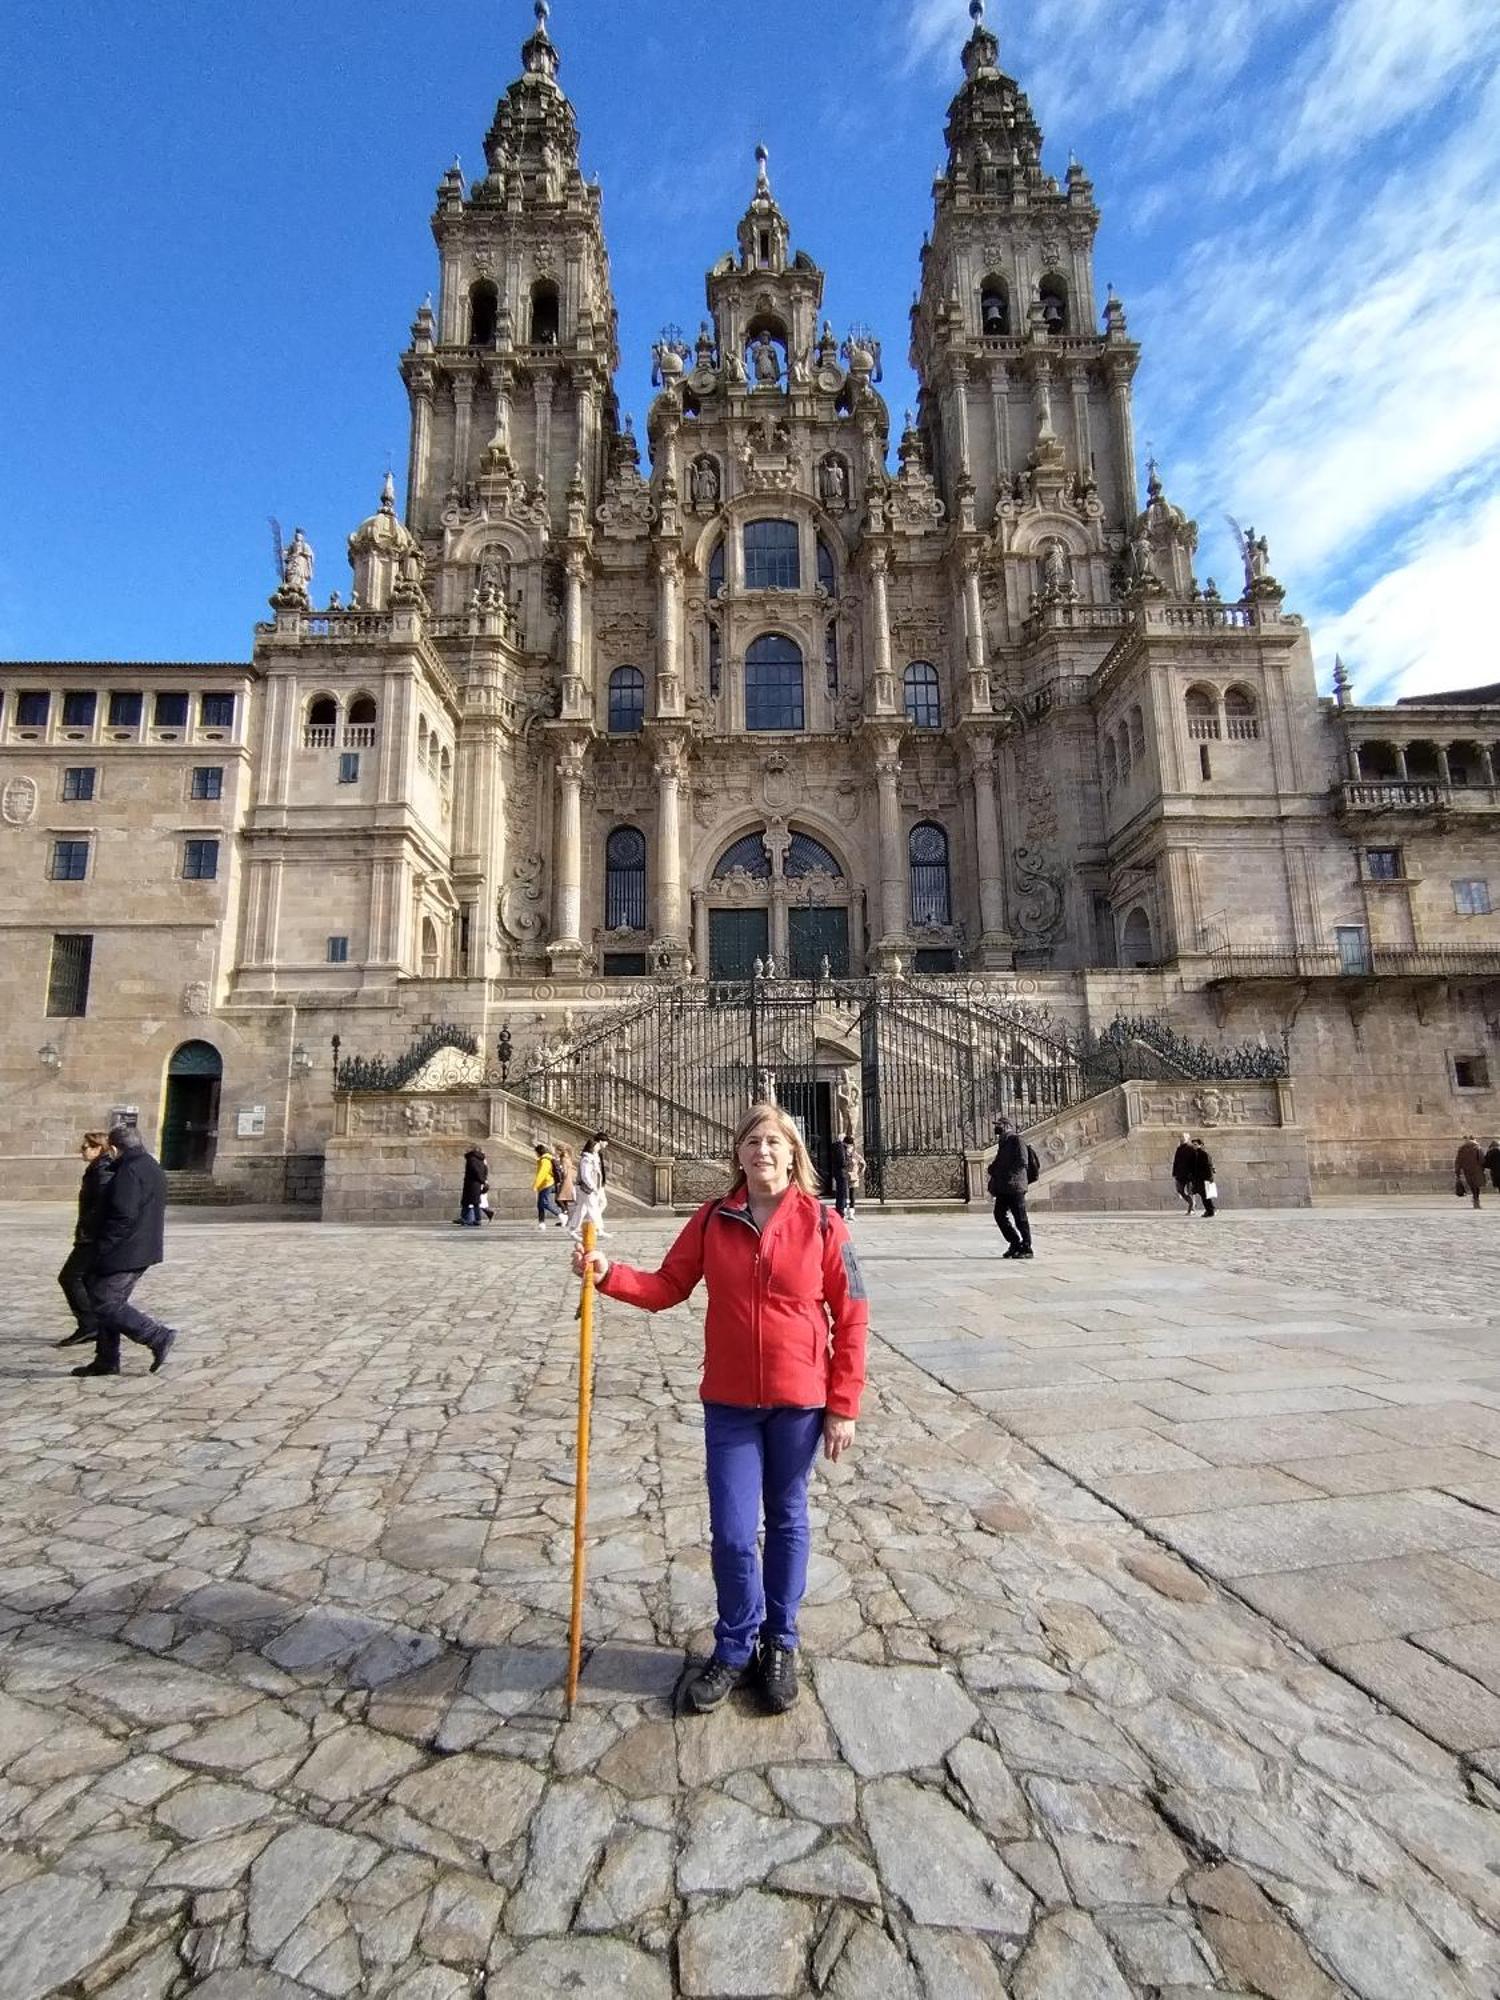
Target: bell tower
<point>1018,382</point>
<point>512,373</point>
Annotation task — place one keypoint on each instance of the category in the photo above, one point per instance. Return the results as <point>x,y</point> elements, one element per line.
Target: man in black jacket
<point>74,1275</point>
<point>127,1243</point>
<point>1008,1182</point>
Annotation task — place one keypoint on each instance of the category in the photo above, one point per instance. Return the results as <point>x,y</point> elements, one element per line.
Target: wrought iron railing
<point>1368,962</point>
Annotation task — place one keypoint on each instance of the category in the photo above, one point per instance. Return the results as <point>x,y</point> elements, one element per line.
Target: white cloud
<point>1383,62</point>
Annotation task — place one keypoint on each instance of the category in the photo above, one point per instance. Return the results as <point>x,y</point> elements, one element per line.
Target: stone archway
<point>190,1116</point>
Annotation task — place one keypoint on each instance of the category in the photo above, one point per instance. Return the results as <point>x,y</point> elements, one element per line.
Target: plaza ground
<point>1153,1632</point>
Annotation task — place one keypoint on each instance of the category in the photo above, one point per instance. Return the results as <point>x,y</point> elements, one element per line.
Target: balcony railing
<point>1414,795</point>
<point>359,735</point>
<point>1371,961</point>
<point>319,736</point>
<point>1203,728</point>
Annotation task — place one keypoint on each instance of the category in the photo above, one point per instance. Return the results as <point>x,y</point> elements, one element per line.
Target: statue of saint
<point>297,564</point>
<point>1054,570</point>
<point>833,482</point>
<point>1257,559</point>
<point>767,363</point>
<point>705,482</point>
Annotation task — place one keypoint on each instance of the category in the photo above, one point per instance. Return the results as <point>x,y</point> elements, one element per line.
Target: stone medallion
<point>18,802</point>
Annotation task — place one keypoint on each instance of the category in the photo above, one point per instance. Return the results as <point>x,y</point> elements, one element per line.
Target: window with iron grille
<point>338,951</point>
<point>68,976</point>
<point>125,710</point>
<point>33,706</point>
<point>170,711</point>
<point>78,783</point>
<point>627,701</point>
<point>216,711</point>
<point>1472,899</point>
<point>200,860</point>
<point>79,710</point>
<point>747,854</point>
<point>806,856</point>
<point>927,852</point>
<point>70,860</point>
<point>625,880</point>
<point>773,684</point>
<point>1383,864</point>
<point>771,556</point>
<point>208,781</point>
<point>924,697</point>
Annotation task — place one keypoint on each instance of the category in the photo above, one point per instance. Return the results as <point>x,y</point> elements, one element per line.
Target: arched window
<point>359,727</point>
<point>1135,940</point>
<point>994,308</point>
<point>828,576</point>
<point>484,312</point>
<point>546,314</point>
<point>429,949</point>
<point>1111,765</point>
<point>625,880</point>
<point>1122,738</point>
<point>1241,721</point>
<point>1137,734</point>
<point>748,855</point>
<point>1053,292</point>
<point>627,701</point>
<point>806,856</point>
<point>773,684</point>
<point>927,852</point>
<point>716,573</point>
<point>1202,706</point>
<point>323,713</point>
<point>771,556</point>
<point>422,740</point>
<point>445,768</point>
<point>924,696</point>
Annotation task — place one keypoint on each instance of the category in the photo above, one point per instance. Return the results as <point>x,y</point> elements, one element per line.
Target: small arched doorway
<point>190,1122</point>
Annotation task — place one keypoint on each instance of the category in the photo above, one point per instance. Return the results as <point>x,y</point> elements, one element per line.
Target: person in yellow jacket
<point>542,1187</point>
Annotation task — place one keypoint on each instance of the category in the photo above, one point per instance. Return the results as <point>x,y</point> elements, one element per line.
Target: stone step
<point>197,1190</point>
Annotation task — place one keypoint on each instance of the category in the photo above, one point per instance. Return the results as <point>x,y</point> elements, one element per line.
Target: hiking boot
<point>161,1350</point>
<point>713,1686</point>
<point>776,1671</point>
<point>97,1368</point>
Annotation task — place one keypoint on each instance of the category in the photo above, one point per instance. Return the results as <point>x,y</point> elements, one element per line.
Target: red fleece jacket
<point>787,1311</point>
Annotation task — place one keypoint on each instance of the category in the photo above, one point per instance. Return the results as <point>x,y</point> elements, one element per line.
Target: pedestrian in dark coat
<point>128,1241</point>
<point>1193,1171</point>
<point>1008,1181</point>
<point>476,1180</point>
<point>1468,1168</point>
<point>74,1275</point>
<point>1492,1163</point>
<point>1183,1162</point>
<point>843,1148</point>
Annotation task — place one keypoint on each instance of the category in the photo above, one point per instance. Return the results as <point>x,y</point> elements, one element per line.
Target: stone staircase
<point>200,1190</point>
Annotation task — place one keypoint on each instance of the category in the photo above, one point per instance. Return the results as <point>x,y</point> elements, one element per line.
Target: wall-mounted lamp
<point>50,1057</point>
<point>301,1061</point>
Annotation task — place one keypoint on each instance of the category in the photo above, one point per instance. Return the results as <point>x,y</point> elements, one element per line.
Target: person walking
<point>1008,1181</point>
<point>592,1200</point>
<point>476,1182</point>
<point>783,1370</point>
<point>566,1170</point>
<point>1492,1164</point>
<point>128,1240</point>
<point>543,1184</point>
<point>843,1148</point>
<point>1193,1171</point>
<point>1468,1168</point>
<point>1183,1162</point>
<point>74,1275</point>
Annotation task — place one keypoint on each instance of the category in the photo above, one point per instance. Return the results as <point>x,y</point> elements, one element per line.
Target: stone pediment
<point>627,510</point>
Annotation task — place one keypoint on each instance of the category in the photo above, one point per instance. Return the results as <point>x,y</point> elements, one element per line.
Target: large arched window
<point>1135,940</point>
<point>1111,764</point>
<point>828,576</point>
<point>1202,706</point>
<point>747,855</point>
<point>931,897</point>
<point>320,731</point>
<point>1241,722</point>
<point>994,308</point>
<point>771,556</point>
<point>806,856</point>
<point>484,312</point>
<point>546,314</point>
<point>625,880</point>
<point>924,697</point>
<point>1053,291</point>
<point>716,573</point>
<point>627,701</point>
<point>359,726</point>
<point>773,684</point>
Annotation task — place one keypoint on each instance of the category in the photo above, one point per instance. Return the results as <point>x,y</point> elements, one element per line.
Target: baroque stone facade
<point>583,720</point>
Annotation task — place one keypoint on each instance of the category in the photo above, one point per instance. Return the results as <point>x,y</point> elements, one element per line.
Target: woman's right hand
<point>592,1260</point>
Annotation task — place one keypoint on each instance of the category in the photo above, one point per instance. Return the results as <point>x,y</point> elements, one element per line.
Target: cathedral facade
<point>790,686</point>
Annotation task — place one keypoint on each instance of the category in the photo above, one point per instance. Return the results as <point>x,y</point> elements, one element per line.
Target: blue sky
<point>215,234</point>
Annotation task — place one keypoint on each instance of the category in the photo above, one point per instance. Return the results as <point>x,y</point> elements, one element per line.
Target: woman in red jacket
<point>783,1367</point>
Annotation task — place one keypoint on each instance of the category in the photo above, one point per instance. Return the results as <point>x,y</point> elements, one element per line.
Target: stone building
<point>951,705</point>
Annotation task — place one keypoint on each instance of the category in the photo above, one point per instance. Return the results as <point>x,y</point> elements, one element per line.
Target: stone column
<point>573,688</point>
<point>668,766</point>
<point>1078,381</point>
<point>892,853</point>
<point>544,388</point>
<point>996,947</point>
<point>880,612</point>
<point>1000,396</point>
<point>959,376</point>
<point>1124,421</point>
<point>669,629</point>
<point>1444,768</point>
<point>422,384</point>
<point>463,417</point>
<point>778,841</point>
<point>978,695</point>
<point>566,949</point>
<point>1400,749</point>
<point>700,934</point>
<point>1486,765</point>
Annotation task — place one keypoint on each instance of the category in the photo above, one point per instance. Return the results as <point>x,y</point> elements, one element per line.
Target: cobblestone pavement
<point>282,1629</point>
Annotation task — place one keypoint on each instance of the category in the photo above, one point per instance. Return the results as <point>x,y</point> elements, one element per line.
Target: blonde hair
<point>804,1173</point>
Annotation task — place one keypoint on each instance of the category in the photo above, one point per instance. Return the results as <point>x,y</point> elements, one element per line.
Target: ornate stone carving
<point>522,912</point>
<point>195,999</point>
<point>18,802</point>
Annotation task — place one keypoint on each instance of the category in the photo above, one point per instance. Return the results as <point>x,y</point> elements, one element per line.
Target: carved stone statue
<point>297,565</point>
<point>1054,571</point>
<point>767,363</point>
<point>833,485</point>
<point>705,482</point>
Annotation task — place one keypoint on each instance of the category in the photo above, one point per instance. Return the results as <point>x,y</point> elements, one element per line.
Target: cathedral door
<point>811,1103</point>
<point>814,935</point>
<point>190,1121</point>
<point>736,938</point>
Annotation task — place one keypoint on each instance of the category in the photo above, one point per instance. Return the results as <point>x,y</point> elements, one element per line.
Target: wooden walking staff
<point>581,1479</point>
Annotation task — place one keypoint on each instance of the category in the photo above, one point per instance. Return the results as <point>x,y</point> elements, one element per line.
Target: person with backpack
<point>1013,1169</point>
<point>543,1182</point>
<point>783,1370</point>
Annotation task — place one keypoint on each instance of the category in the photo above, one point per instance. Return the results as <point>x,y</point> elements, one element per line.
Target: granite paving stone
<point>282,1633</point>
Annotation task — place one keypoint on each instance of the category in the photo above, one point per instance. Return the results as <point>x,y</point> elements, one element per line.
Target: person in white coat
<point>591,1201</point>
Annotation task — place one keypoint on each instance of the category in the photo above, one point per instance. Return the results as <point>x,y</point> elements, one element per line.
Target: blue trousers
<point>758,1460</point>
